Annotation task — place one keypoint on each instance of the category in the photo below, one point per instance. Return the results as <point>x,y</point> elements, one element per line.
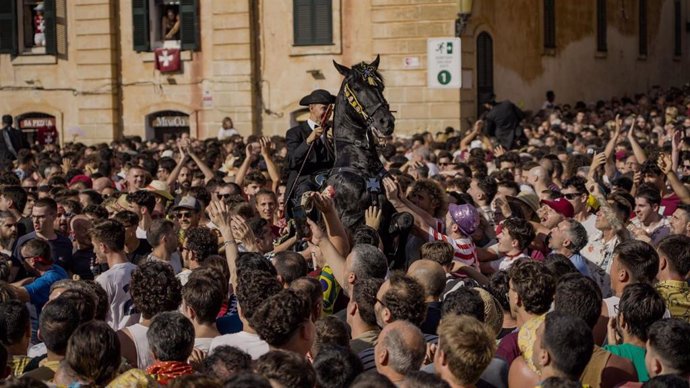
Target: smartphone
<point>301,225</point>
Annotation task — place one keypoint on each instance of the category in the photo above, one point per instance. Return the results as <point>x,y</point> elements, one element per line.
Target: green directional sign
<point>443,77</point>
<point>444,67</point>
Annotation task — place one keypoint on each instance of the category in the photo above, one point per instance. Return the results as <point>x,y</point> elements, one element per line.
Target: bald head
<point>80,225</point>
<point>101,183</point>
<point>538,173</point>
<point>431,276</point>
<point>401,348</point>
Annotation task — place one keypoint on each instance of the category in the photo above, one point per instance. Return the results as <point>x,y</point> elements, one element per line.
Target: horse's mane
<point>367,72</point>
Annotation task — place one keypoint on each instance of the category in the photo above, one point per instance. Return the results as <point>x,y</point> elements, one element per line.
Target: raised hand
<point>323,203</point>
<point>499,150</point>
<point>265,144</point>
<point>598,160</point>
<point>665,164</point>
<point>241,230</point>
<point>316,232</point>
<point>392,188</point>
<point>373,216</point>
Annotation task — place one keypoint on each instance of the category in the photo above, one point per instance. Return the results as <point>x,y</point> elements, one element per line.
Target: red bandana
<point>165,371</point>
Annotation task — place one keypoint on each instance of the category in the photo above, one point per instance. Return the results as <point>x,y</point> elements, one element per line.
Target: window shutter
<point>302,22</point>
<point>643,27</point>
<point>549,24</point>
<point>312,22</point>
<point>601,26</point>
<point>141,34</point>
<point>8,27</point>
<point>49,17</point>
<point>323,22</point>
<point>189,25</point>
<point>61,27</point>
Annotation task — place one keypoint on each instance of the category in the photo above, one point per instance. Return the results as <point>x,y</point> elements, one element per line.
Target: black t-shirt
<point>81,263</point>
<point>24,226</point>
<point>141,253</point>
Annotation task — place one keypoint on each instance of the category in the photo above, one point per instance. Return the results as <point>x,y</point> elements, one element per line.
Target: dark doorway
<point>485,71</point>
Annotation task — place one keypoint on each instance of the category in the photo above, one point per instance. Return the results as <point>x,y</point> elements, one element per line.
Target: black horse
<point>361,120</point>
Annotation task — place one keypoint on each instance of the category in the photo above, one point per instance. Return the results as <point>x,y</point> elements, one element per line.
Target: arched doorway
<point>166,124</point>
<point>38,127</point>
<point>485,70</point>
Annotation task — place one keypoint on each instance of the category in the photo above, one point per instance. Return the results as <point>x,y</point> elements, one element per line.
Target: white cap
<point>475,144</point>
<point>167,154</point>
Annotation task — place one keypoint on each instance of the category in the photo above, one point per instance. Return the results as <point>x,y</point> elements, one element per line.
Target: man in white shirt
<point>253,288</point>
<point>108,240</point>
<point>227,130</point>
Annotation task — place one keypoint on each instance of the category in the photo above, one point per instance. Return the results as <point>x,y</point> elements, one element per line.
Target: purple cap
<point>465,216</point>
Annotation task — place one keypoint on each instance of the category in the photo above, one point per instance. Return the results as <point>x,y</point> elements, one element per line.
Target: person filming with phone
<point>310,151</point>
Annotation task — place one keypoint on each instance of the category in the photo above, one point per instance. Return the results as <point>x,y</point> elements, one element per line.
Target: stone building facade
<point>95,75</point>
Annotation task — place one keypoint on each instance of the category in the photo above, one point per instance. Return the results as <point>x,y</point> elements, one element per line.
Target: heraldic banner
<point>167,60</point>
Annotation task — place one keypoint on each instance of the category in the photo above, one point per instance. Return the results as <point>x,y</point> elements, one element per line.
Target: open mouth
<point>379,136</point>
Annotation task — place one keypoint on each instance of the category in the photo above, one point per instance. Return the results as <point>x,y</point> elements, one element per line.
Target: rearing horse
<point>362,118</point>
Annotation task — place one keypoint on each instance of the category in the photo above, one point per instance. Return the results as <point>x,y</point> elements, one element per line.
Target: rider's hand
<point>315,134</point>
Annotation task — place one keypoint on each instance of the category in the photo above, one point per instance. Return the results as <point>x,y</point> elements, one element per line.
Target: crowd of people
<point>557,258</point>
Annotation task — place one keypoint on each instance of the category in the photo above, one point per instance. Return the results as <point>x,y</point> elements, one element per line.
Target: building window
<point>165,23</point>
<point>643,28</point>
<point>33,27</point>
<point>550,24</point>
<point>312,22</point>
<point>676,29</point>
<point>601,25</point>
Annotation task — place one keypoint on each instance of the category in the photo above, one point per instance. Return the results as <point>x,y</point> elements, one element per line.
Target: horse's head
<point>363,90</point>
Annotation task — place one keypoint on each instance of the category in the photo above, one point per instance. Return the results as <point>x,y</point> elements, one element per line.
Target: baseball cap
<point>560,206</point>
<point>465,216</point>
<point>82,179</point>
<point>188,202</point>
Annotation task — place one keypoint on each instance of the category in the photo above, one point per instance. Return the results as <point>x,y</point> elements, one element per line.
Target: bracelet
<point>228,242</point>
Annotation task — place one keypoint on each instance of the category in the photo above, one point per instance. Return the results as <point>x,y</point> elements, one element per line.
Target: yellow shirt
<point>676,294</point>
<point>18,364</point>
<point>526,337</point>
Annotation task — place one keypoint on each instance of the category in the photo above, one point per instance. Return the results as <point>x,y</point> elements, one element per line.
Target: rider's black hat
<point>318,96</point>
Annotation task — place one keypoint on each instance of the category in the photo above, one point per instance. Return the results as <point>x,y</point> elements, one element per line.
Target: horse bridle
<point>355,104</point>
<point>368,117</point>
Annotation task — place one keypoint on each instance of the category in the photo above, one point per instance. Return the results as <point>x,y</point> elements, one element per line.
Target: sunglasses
<point>572,196</point>
<point>182,215</point>
<point>224,196</point>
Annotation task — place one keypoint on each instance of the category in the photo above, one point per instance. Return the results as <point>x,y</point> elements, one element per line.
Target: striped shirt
<point>464,250</point>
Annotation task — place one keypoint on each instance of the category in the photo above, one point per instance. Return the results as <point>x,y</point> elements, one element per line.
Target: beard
<point>7,242</point>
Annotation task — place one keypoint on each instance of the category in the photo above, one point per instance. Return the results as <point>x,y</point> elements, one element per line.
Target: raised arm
<point>610,166</point>
<point>334,227</point>
<point>172,178</point>
<point>639,153</point>
<point>678,187</point>
<point>273,170</point>
<point>476,131</point>
<point>422,219</point>
<point>220,216</point>
<point>208,173</point>
<point>331,256</point>
<point>244,167</point>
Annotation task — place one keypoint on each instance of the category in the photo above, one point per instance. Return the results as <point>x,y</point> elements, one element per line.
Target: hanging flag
<point>167,60</point>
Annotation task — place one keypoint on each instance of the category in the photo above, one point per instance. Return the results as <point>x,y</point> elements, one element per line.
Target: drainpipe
<point>255,74</point>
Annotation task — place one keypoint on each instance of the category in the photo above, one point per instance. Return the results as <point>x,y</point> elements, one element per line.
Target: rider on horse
<point>310,151</point>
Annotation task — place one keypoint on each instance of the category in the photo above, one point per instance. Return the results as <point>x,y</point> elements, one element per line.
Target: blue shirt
<point>39,289</point>
<point>580,263</point>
